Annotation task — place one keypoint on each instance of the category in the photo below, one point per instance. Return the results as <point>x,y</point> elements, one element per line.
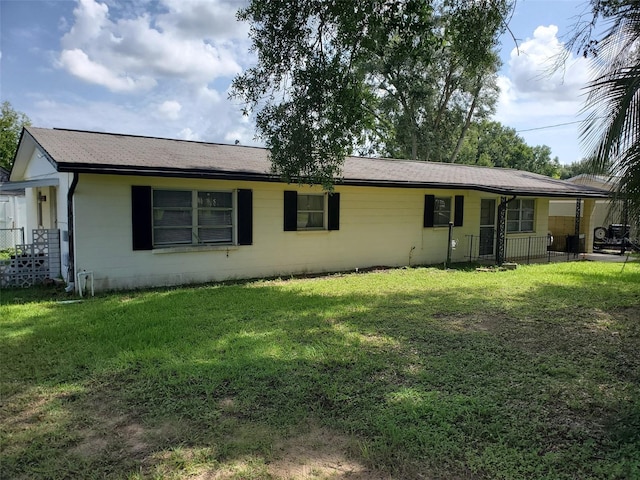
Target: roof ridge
<point>149,137</point>
<point>466,165</point>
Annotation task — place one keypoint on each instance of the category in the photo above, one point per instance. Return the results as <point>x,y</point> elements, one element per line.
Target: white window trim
<point>325,209</point>
<point>435,216</point>
<point>194,246</point>
<point>520,220</point>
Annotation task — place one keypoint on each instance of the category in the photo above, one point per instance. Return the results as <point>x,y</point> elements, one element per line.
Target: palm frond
<point>611,130</point>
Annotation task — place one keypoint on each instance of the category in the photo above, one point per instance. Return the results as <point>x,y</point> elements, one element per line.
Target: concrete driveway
<point>607,257</point>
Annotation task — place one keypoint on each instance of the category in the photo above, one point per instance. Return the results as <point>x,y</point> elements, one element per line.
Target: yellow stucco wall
<point>378,227</point>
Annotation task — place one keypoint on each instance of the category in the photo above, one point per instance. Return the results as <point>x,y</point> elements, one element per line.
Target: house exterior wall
<point>567,208</point>
<point>562,218</point>
<point>599,213</point>
<point>54,208</point>
<point>378,227</point>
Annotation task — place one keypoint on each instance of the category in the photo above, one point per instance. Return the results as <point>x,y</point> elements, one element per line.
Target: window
<point>520,215</point>
<point>441,211</point>
<point>186,217</point>
<point>163,217</point>
<point>311,211</point>
<point>438,211</point>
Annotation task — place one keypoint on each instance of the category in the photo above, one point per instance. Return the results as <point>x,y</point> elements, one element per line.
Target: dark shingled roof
<point>107,153</point>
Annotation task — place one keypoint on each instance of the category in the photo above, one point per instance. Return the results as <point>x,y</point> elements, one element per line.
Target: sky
<point>163,68</point>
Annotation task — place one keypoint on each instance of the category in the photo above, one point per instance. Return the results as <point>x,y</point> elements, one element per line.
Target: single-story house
<point>137,211</point>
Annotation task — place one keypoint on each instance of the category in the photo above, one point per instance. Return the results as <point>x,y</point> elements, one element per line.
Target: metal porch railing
<point>517,249</point>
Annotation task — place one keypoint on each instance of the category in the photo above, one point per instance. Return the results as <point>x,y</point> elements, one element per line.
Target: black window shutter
<point>290,211</point>
<point>459,211</point>
<point>245,217</point>
<point>333,220</point>
<point>141,217</point>
<point>429,206</point>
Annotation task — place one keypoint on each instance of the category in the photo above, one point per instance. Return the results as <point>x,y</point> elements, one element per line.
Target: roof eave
<point>167,172</point>
<point>481,188</point>
<point>268,177</point>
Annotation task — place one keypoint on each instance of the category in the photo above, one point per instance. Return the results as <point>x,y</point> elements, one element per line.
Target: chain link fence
<point>10,238</point>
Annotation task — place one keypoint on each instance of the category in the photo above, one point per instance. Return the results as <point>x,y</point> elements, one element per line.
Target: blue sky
<point>163,68</point>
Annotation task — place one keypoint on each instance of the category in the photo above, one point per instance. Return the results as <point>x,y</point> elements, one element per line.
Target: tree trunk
<point>414,145</point>
<point>467,122</point>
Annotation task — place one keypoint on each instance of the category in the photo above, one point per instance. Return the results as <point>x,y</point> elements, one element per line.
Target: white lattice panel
<point>31,265</point>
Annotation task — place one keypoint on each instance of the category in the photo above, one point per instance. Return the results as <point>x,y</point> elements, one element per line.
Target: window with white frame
<point>441,211</point>
<point>520,215</point>
<point>311,212</point>
<point>192,217</point>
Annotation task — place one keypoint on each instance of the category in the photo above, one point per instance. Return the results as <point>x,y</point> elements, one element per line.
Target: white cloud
<point>203,19</point>
<point>538,84</point>
<point>79,113</point>
<point>535,93</point>
<point>181,55</point>
<point>208,95</point>
<point>173,45</point>
<point>182,117</point>
<point>188,134</point>
<point>77,63</point>
<point>170,109</point>
<point>158,68</point>
<point>90,19</point>
<point>545,70</point>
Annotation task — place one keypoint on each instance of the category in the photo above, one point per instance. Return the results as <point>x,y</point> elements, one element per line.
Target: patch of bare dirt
<point>110,430</point>
<point>91,445</point>
<point>24,411</point>
<point>316,454</point>
<point>319,454</point>
<point>471,322</point>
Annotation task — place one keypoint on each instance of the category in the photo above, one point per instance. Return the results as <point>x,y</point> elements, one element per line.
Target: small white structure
<point>13,212</point>
<point>139,212</point>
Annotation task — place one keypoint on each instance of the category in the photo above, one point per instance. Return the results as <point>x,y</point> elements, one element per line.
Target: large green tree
<point>584,166</point>
<point>492,144</point>
<point>403,78</point>
<point>11,123</point>
<point>612,128</point>
<point>428,97</point>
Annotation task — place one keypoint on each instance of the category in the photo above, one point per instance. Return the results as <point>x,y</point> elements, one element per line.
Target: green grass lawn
<point>417,373</point>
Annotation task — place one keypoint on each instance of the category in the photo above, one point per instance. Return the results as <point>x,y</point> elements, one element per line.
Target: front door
<point>487,226</point>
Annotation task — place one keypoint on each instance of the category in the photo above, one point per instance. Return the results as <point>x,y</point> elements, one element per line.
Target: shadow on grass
<point>446,382</point>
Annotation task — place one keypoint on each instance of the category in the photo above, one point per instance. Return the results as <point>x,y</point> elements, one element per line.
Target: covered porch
<point>564,239</point>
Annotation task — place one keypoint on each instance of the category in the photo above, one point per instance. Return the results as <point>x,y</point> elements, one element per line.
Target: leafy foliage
<point>612,128</point>
<point>403,78</point>
<point>582,166</point>
<point>11,123</point>
<point>494,145</point>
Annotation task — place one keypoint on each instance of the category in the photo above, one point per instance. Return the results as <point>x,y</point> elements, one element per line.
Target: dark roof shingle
<point>80,151</point>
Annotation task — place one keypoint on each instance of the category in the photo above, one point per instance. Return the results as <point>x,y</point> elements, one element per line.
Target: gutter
<point>71,267</point>
<point>270,178</point>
